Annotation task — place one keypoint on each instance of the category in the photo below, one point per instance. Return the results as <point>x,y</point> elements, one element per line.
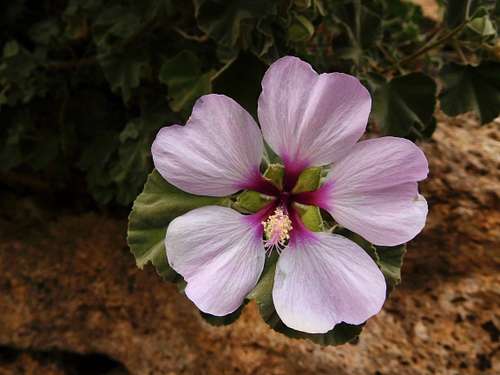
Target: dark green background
<point>86,84</point>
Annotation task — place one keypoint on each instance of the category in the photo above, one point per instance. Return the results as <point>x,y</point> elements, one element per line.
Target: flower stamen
<point>277,229</point>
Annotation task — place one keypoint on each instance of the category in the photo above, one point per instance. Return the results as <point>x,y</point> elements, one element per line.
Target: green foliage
<point>182,74</point>
<point>153,210</point>
<point>471,88</point>
<point>405,105</point>
<point>86,84</point>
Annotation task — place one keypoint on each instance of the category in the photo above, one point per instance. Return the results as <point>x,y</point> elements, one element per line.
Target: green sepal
<point>157,205</point>
<point>310,216</point>
<point>250,201</point>
<point>275,174</point>
<point>262,294</point>
<point>309,180</point>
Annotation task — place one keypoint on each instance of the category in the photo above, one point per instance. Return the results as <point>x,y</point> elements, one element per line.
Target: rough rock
<point>68,283</point>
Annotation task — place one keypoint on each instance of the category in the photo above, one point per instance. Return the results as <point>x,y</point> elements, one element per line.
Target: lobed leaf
<point>157,205</point>
<point>471,88</point>
<point>186,83</point>
<point>405,105</point>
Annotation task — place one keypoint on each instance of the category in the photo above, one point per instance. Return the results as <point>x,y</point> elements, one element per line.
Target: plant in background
<point>86,84</point>
<point>315,277</point>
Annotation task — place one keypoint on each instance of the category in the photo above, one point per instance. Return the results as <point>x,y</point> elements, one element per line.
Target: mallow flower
<point>308,119</point>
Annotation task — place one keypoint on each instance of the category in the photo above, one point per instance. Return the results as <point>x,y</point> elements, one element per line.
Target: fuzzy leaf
<point>182,74</point>
<point>124,71</point>
<point>134,155</point>
<point>483,26</point>
<point>157,205</point>
<point>361,29</point>
<point>390,260</point>
<point>471,88</point>
<point>301,29</point>
<point>459,11</point>
<point>225,22</point>
<point>405,105</point>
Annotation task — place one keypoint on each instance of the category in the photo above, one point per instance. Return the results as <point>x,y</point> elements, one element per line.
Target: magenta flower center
<point>280,218</point>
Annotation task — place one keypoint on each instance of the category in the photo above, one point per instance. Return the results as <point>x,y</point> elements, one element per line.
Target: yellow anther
<point>277,229</point>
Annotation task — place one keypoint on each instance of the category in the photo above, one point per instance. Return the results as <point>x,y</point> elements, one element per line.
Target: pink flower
<point>309,120</point>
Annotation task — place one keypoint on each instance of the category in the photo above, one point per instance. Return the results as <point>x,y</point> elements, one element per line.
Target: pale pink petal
<point>310,119</point>
<point>326,279</point>
<point>373,190</point>
<point>220,254</point>
<point>217,153</point>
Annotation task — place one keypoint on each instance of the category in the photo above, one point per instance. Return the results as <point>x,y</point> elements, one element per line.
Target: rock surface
<point>68,283</point>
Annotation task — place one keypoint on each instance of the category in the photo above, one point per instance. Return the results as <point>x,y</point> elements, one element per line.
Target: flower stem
<point>222,70</point>
<point>432,45</point>
<point>460,53</point>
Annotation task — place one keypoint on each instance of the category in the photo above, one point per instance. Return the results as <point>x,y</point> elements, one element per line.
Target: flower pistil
<point>277,230</point>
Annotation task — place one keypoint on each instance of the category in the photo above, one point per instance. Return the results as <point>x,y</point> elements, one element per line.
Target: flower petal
<point>374,190</point>
<point>220,254</point>
<point>217,153</point>
<point>326,279</point>
<point>310,119</point>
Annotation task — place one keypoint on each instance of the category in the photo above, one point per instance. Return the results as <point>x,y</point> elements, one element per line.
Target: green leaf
<point>225,22</point>
<point>361,29</point>
<point>182,74</point>
<point>124,71</point>
<point>482,26</point>
<point>11,151</point>
<point>309,180</point>
<point>304,4</point>
<point>471,88</point>
<point>390,260</point>
<point>154,208</point>
<point>10,49</point>
<point>405,105</point>
<point>44,32</point>
<point>114,24</point>
<point>459,11</point>
<point>301,29</point>
<point>134,154</point>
